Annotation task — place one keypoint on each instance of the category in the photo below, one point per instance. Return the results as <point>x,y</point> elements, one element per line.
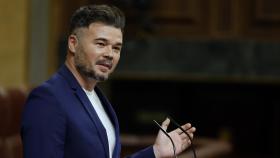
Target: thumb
<point>165,124</point>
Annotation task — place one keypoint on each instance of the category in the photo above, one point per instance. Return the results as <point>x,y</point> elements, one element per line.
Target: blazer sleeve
<point>145,153</point>
<point>43,126</point>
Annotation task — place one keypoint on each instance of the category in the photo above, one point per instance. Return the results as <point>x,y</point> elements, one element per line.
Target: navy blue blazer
<point>59,121</point>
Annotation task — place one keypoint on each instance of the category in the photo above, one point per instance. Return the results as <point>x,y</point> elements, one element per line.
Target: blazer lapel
<point>113,117</point>
<point>81,95</point>
<point>94,117</point>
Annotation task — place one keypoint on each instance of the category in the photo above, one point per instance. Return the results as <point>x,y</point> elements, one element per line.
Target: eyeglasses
<point>184,131</point>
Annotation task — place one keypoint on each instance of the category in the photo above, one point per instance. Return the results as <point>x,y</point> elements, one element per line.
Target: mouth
<point>105,64</point>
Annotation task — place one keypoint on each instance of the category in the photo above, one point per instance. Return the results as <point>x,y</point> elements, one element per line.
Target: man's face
<point>98,51</point>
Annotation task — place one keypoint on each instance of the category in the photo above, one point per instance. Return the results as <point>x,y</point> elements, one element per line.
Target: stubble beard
<point>85,67</point>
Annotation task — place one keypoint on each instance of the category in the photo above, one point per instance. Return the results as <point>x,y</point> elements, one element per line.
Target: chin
<point>101,77</point>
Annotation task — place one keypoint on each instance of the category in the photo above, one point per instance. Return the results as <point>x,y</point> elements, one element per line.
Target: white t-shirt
<point>103,116</point>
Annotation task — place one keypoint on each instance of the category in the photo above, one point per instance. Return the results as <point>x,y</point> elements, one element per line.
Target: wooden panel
<point>186,10</point>
<point>183,18</point>
<point>224,16</point>
<point>260,20</point>
<point>267,10</point>
<point>179,18</point>
<point>14,41</point>
<point>190,19</point>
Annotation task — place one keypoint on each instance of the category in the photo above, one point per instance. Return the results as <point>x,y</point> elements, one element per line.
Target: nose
<point>109,53</point>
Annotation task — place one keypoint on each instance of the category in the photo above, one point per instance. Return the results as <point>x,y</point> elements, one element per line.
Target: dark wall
<point>220,86</point>
<point>248,111</point>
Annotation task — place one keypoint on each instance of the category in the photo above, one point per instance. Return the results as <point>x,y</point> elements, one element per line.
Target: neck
<point>84,81</point>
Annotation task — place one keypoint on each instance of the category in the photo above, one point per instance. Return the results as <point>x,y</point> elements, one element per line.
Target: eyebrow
<point>105,40</point>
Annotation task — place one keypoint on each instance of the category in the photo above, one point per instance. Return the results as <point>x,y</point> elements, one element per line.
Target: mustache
<point>107,63</point>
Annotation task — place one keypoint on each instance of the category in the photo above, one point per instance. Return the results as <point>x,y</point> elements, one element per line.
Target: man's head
<point>109,15</point>
<point>95,40</point>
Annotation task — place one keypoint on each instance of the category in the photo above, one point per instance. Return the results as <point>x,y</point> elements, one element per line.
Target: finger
<point>184,136</point>
<point>184,127</point>
<point>165,124</point>
<point>191,136</point>
<point>191,130</point>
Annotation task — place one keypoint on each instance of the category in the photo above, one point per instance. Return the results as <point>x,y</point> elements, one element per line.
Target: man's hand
<point>163,147</point>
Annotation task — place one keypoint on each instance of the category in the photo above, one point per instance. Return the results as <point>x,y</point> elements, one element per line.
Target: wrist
<point>156,151</point>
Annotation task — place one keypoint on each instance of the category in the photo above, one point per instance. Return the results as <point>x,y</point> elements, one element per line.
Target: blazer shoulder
<point>46,90</point>
<point>44,97</point>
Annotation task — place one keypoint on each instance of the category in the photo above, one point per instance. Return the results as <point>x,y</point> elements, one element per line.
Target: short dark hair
<point>85,15</point>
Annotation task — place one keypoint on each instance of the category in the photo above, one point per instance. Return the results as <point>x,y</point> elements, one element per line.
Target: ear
<point>72,43</point>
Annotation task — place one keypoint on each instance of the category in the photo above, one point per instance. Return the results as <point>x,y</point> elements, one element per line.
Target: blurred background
<point>214,63</point>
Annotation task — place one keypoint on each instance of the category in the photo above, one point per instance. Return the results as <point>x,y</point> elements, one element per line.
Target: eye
<point>117,49</point>
<point>101,44</point>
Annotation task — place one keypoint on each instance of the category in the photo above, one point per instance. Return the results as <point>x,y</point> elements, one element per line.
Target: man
<point>68,116</point>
